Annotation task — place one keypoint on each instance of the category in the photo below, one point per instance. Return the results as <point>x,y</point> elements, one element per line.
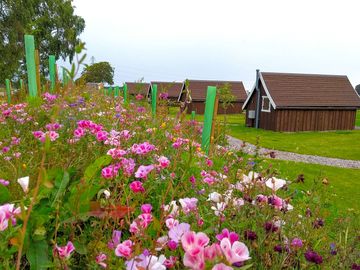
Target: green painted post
<point>21,84</point>
<point>30,64</point>
<point>192,115</point>
<point>52,70</point>
<point>109,91</point>
<point>125,93</point>
<point>64,77</point>
<point>116,92</point>
<point>208,118</point>
<point>8,90</point>
<point>153,99</point>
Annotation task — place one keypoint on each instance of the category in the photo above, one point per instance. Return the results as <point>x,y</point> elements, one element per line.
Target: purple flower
<point>250,235</point>
<point>319,222</point>
<point>355,266</point>
<point>4,182</point>
<point>296,243</point>
<point>312,256</point>
<point>270,227</point>
<point>333,250</point>
<point>115,239</point>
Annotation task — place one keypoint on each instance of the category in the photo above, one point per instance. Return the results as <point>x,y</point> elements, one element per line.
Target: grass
<point>336,144</point>
<point>340,195</point>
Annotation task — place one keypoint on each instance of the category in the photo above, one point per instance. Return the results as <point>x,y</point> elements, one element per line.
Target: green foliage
<point>37,255</point>
<point>52,22</point>
<point>101,72</point>
<point>225,96</point>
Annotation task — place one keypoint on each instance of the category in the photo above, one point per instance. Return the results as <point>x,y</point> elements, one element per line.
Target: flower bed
<point>89,183</point>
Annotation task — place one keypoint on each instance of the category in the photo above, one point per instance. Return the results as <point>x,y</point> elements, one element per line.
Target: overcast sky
<point>222,40</point>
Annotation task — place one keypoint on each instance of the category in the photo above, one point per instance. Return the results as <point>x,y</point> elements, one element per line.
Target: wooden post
<point>8,90</point>
<point>30,64</point>
<point>208,118</point>
<point>52,71</point>
<point>192,115</point>
<point>37,67</point>
<point>125,93</point>
<point>154,99</point>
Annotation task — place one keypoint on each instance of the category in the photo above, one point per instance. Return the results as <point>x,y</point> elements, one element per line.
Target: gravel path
<point>250,149</point>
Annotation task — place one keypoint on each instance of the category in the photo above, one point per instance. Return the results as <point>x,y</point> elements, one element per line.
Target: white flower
<point>215,197</point>
<point>24,183</point>
<point>157,263</point>
<point>275,183</point>
<point>237,202</point>
<point>220,207</point>
<point>173,207</point>
<point>161,242</point>
<point>107,193</point>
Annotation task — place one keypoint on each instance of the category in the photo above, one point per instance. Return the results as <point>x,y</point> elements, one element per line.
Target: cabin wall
<point>315,120</point>
<point>199,107</point>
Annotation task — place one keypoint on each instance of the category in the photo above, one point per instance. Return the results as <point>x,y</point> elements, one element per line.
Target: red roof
<point>134,88</point>
<point>310,90</point>
<point>198,89</point>
<point>172,88</point>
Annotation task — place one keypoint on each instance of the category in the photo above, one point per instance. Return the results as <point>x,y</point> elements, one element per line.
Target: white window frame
<point>262,104</point>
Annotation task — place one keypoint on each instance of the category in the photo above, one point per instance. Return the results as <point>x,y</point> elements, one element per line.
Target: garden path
<point>277,154</point>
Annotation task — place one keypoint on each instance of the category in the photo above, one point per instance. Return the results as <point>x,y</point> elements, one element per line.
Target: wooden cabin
<point>301,102</point>
<point>198,89</point>
<point>134,88</point>
<point>173,89</point>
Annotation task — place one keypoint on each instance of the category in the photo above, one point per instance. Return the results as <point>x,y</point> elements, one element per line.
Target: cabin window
<point>265,104</point>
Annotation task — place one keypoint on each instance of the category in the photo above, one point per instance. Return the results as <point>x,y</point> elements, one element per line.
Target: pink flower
<point>79,132</point>
<point>172,245</point>
<point>194,262</point>
<point>116,153</point>
<point>128,166</point>
<point>221,266</point>
<point>136,186</point>
<point>124,249</point>
<point>145,220</point>
<point>139,97</point>
<point>232,236</point>
<point>188,204</point>
<point>65,251</point>
<point>276,201</point>
<point>193,243</point>
<point>143,171</point>
<point>115,239</point>
<point>134,228</point>
<point>100,260</point>
<point>109,172</point>
<point>53,135</point>
<point>163,162</point>
<point>8,213</point>
<point>101,135</point>
<point>125,134</point>
<point>142,149</point>
<point>171,223</point>
<point>211,252</point>
<point>209,162</point>
<point>4,182</point>
<point>146,208</point>
<point>235,252</point>
<point>53,126</point>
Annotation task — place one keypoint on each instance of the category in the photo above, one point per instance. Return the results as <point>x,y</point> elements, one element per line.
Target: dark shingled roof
<point>137,88</point>
<point>199,89</point>
<point>310,90</point>
<point>172,88</point>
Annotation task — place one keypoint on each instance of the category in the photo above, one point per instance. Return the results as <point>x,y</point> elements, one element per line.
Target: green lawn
<point>340,197</point>
<point>337,144</point>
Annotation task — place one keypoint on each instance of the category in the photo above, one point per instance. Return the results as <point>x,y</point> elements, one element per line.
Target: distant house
<point>134,88</point>
<point>173,89</point>
<point>198,90</point>
<point>301,102</point>
<point>94,86</point>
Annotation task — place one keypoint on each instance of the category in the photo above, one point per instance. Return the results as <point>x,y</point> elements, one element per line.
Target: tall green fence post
<point>208,118</point>
<point>52,70</point>
<point>192,115</point>
<point>153,99</point>
<point>21,84</point>
<point>116,92</point>
<point>30,64</point>
<point>110,90</point>
<point>8,90</point>
<point>125,93</point>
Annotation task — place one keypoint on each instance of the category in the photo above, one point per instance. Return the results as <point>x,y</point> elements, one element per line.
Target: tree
<point>52,22</point>
<point>101,72</point>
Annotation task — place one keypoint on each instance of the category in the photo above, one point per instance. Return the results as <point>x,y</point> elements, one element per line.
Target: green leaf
<point>82,58</point>
<point>246,267</point>
<point>37,255</point>
<point>92,169</point>
<point>61,187</point>
<point>4,194</point>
